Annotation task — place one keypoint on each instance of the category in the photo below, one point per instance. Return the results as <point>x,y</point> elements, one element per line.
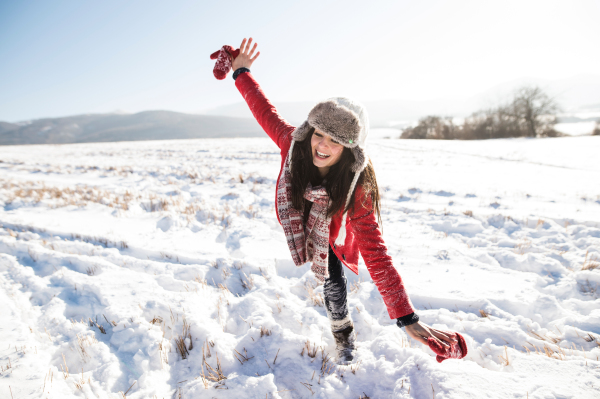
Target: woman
<point>326,201</point>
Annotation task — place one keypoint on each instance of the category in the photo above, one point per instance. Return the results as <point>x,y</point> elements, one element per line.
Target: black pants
<point>335,293</point>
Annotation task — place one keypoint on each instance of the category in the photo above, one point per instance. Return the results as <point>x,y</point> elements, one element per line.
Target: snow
<point>108,252</point>
<point>576,128</point>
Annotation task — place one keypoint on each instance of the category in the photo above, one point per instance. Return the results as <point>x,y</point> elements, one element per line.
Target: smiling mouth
<point>321,155</point>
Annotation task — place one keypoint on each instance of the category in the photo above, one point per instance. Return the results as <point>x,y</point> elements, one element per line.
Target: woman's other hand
<point>245,58</point>
<point>421,331</point>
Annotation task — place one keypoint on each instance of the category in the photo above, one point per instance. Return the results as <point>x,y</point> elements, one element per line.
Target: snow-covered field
<point>116,258</point>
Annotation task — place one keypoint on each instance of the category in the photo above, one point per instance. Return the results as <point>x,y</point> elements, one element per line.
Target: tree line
<point>530,113</point>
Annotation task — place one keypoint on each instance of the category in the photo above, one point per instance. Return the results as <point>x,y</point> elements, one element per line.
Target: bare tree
<point>533,108</point>
<point>530,113</point>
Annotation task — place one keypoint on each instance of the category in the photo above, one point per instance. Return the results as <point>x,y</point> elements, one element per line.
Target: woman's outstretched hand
<point>245,58</point>
<point>421,331</point>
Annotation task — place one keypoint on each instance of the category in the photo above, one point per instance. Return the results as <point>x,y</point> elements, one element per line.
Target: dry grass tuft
<point>244,358</point>
<point>544,337</point>
<point>311,352</point>
<point>592,338</point>
<point>327,366</point>
<point>590,262</point>
<point>505,360</point>
<point>522,247</point>
<point>588,289</point>
<point>354,367</point>
<point>84,342</point>
<point>79,384</point>
<point>212,374</point>
<point>468,213</point>
<point>316,299</point>
<point>483,313</point>
<point>247,282</point>
<point>201,281</point>
<point>355,287</point>
<point>95,323</point>
<point>180,344</point>
<point>264,332</point>
<point>65,369</point>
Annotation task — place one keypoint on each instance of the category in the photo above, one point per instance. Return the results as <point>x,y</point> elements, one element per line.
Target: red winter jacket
<point>362,230</point>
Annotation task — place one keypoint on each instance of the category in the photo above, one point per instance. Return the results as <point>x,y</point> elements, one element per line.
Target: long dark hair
<point>337,182</point>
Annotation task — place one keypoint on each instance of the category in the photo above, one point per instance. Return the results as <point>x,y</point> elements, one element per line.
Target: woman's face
<point>325,151</point>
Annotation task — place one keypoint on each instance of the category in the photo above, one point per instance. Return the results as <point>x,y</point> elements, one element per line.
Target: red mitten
<point>224,57</point>
<point>457,350</point>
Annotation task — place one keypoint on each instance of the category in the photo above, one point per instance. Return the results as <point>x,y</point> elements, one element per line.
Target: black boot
<point>344,345</point>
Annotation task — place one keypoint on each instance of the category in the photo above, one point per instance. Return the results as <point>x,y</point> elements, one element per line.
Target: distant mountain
<point>5,126</point>
<point>148,125</point>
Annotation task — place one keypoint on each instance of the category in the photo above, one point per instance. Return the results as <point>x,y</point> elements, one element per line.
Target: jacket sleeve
<point>264,112</point>
<point>378,262</point>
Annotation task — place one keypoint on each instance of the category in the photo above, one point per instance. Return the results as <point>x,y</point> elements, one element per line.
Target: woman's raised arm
<point>263,110</point>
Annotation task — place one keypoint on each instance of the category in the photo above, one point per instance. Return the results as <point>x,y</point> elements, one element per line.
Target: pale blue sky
<point>63,58</point>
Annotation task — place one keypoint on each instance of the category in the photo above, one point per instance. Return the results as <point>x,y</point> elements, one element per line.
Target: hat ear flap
<point>301,131</point>
<point>360,159</point>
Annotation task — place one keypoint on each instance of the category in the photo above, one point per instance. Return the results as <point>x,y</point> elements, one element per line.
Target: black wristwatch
<point>239,71</point>
<point>407,320</point>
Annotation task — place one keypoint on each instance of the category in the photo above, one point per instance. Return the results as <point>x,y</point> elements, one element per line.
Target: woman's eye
<point>318,135</point>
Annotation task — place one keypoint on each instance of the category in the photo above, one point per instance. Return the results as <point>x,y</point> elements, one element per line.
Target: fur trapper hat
<point>346,121</point>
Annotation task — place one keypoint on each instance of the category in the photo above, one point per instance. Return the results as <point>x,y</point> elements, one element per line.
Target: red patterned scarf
<point>310,242</point>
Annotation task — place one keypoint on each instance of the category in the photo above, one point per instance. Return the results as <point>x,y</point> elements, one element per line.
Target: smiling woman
<point>329,154</point>
<point>326,200</point>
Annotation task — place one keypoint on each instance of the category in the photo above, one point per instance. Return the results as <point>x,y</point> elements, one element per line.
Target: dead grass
<point>247,281</point>
<point>544,337</point>
<point>522,246</point>
<point>213,374</point>
<point>32,193</point>
<point>91,270</point>
<point>355,287</point>
<point>587,288</point>
<point>124,394</point>
<point>505,360</point>
<point>94,323</point>
<point>244,358</point>
<point>264,332</point>
<point>7,367</point>
<point>590,262</point>
<point>79,384</point>
<point>84,342</point>
<point>551,347</point>
<point>180,344</point>
<point>310,351</point>
<point>592,338</point>
<point>316,299</point>
<point>484,313</point>
<point>65,369</point>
